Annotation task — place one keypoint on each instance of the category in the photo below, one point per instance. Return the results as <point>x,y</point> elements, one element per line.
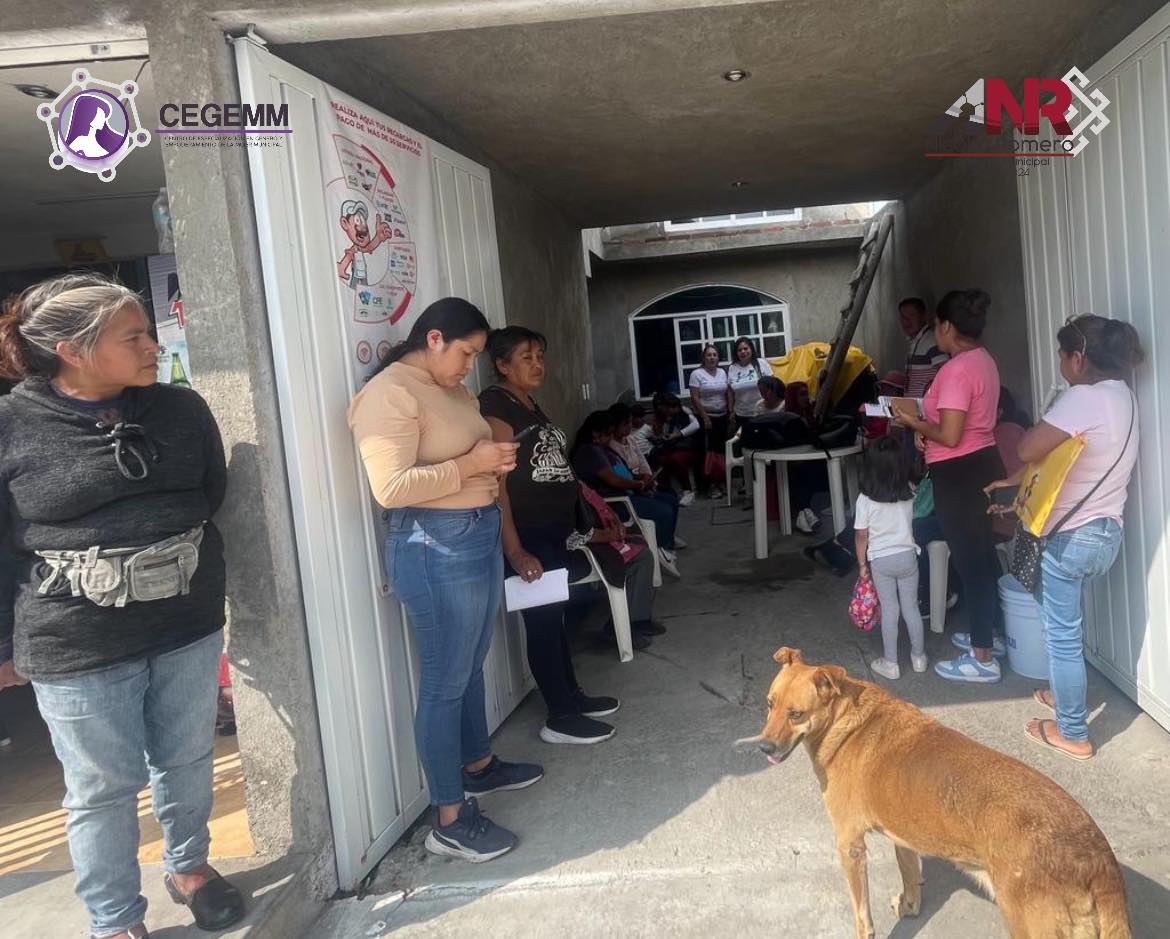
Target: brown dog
<point>885,766</point>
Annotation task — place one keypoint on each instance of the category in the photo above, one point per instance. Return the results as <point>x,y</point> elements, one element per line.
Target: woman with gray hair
<point>114,605</point>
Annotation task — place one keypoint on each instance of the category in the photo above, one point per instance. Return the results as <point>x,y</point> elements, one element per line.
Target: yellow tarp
<point>806,361</point>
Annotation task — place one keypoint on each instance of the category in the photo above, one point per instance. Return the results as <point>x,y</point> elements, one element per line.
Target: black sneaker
<point>647,627</point>
<point>472,836</point>
<point>498,776</point>
<point>575,728</point>
<point>596,705</point>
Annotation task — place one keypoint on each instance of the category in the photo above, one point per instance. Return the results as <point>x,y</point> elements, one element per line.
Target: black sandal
<point>216,905</point>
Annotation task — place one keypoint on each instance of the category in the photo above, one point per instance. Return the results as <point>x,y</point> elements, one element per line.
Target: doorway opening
<point>668,334</point>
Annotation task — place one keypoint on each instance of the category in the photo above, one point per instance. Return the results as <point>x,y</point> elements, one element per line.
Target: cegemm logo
<point>93,125</point>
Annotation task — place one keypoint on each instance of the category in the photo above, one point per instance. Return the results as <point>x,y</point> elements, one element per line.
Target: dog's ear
<point>828,680</point>
<point>786,656</point>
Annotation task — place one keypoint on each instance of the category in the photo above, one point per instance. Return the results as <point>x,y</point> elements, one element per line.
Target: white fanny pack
<point>116,576</point>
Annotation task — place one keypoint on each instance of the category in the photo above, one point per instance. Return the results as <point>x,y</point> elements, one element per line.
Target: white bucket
<point>1023,622</point>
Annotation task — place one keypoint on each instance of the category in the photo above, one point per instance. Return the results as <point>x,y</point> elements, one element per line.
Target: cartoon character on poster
<point>355,222</point>
<point>377,261</point>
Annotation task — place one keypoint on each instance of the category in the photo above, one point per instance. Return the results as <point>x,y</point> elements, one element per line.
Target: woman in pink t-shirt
<point>1084,528</point>
<point>958,437</point>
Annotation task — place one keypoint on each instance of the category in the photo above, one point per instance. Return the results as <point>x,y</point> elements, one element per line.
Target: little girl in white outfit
<point>884,525</point>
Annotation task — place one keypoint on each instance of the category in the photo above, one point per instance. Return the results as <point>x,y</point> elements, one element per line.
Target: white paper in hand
<point>553,587</point>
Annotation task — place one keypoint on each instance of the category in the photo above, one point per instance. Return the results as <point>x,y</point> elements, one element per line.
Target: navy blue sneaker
<point>498,776</point>
<point>471,837</point>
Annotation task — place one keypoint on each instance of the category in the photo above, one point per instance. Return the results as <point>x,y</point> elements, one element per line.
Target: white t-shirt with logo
<point>712,390</point>
<point>890,526</point>
<point>745,381</point>
<point>1101,412</point>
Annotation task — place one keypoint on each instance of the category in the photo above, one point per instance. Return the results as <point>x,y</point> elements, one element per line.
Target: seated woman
<point>797,400</point>
<point>600,467</point>
<point>539,507</point>
<point>674,433</point>
<point>623,444</point>
<point>772,391</point>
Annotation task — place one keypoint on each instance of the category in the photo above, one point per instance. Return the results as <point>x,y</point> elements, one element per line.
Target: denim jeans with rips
<point>148,719</point>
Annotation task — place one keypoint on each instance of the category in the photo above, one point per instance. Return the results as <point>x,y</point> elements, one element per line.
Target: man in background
<point>923,358</point>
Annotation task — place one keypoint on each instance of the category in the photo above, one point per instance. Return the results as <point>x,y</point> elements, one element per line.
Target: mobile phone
<point>525,432</point>
<point>1005,495</point>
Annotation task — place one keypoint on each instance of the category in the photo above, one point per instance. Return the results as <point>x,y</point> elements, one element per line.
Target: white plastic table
<point>760,460</point>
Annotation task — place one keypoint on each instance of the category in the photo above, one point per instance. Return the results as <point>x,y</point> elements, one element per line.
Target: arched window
<point>667,335</point>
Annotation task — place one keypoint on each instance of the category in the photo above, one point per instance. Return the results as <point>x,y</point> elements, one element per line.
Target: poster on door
<point>380,209</point>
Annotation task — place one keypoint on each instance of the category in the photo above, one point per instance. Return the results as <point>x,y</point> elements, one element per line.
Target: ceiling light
<point>37,91</point>
<point>739,184</point>
<point>736,75</point>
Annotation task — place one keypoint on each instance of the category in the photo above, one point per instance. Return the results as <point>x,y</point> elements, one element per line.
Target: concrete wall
<point>878,332</point>
<point>963,227</point>
<point>232,368</point>
<point>813,281</point>
<point>541,261</point>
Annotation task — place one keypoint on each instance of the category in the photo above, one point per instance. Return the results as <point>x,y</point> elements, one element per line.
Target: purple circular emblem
<point>93,126</point>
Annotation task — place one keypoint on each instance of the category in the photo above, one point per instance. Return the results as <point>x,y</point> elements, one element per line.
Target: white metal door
<point>1096,239</point>
<point>690,335</point>
<point>364,667</point>
<point>467,238</point>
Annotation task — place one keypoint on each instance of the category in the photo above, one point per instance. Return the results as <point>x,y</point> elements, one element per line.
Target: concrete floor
<point>666,830</point>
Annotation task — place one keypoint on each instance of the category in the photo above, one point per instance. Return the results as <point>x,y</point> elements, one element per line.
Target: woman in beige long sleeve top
<point>430,459</point>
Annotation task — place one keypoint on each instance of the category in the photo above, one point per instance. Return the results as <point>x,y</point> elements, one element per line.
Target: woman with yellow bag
<point>1082,533</point>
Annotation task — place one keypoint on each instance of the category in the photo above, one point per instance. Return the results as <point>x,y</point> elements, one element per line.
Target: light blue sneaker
<point>963,641</point>
<point>968,668</point>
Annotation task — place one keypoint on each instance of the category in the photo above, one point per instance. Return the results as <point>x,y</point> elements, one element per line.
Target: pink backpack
<point>865,610</point>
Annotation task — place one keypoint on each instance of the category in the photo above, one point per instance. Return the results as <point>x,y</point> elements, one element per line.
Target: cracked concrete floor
<point>665,830</point>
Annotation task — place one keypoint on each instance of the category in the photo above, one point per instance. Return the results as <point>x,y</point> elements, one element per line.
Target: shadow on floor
<point>667,797</point>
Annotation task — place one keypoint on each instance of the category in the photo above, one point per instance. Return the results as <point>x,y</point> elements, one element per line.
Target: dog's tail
<point>1111,909</point>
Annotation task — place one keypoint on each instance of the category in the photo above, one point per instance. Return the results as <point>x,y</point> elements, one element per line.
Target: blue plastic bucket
<point>1024,624</point>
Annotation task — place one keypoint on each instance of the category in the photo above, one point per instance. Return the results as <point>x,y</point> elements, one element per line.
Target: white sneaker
<point>679,543</point>
<point>918,662</point>
<point>686,498</point>
<point>667,564</point>
<point>668,555</point>
<point>806,521</point>
<point>886,669</point>
<point>715,494</point>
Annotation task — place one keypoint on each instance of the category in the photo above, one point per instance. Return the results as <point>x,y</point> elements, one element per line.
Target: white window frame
<point>707,317</point>
<point>702,223</point>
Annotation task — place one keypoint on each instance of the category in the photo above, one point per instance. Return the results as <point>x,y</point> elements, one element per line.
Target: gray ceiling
<point>38,200</point>
<point>627,118</point>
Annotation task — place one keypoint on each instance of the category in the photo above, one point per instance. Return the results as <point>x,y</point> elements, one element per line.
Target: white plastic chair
<point>648,530</point>
<point>939,554</point>
<point>731,462</point>
<point>618,606</point>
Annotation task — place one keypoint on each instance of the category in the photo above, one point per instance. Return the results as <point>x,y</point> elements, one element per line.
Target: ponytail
<point>454,318</point>
<point>73,308</point>
<point>1110,346</point>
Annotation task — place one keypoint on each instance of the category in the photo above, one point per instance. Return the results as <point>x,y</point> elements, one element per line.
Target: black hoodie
<point>69,481</point>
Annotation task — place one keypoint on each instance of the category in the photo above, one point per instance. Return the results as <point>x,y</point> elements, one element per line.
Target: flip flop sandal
<point>1043,741</point>
<point>1039,698</point>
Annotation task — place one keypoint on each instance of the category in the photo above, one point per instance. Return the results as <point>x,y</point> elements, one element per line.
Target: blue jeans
<point>102,724</point>
<point>1070,558</point>
<point>661,508</point>
<point>447,567</point>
